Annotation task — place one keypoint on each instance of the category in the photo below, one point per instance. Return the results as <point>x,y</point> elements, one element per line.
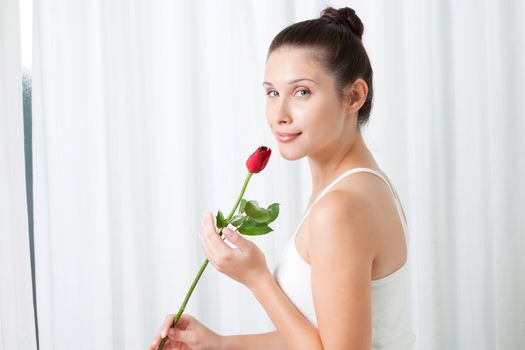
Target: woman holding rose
<point>341,281</point>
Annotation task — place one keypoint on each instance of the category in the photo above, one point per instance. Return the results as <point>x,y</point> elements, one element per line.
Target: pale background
<point>145,111</point>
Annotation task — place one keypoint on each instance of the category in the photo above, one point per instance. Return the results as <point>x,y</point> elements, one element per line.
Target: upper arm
<point>341,255</point>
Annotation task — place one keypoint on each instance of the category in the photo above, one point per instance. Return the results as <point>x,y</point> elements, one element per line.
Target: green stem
<point>240,196</point>
<point>203,266</point>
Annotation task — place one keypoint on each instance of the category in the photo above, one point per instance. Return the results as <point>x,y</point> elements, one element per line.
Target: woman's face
<point>302,100</point>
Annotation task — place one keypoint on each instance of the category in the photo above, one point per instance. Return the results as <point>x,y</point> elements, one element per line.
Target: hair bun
<point>345,16</point>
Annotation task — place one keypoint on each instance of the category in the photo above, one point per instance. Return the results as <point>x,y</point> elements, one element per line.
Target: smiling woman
<point>140,109</point>
<point>344,268</point>
<point>341,281</point>
<point>312,106</point>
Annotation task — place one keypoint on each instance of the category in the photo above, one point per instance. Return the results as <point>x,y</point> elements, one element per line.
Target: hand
<point>188,334</point>
<point>245,263</point>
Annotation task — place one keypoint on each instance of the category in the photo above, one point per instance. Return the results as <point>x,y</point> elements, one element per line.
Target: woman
<point>340,283</point>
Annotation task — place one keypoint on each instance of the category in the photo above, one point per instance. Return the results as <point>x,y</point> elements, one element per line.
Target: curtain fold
<point>448,125</point>
<point>17,324</point>
<point>144,114</point>
<point>137,137</point>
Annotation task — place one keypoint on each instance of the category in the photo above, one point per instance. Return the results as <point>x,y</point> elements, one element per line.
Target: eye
<point>305,91</point>
<point>269,93</point>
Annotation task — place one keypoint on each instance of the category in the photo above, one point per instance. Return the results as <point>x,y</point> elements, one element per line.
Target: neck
<point>339,156</point>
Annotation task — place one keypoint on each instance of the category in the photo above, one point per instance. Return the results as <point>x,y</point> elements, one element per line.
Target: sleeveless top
<point>389,295</point>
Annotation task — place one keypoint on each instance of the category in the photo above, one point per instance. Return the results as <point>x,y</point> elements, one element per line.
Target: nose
<point>279,112</point>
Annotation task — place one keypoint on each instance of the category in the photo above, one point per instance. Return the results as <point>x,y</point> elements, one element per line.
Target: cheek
<point>267,117</point>
<point>268,112</point>
<point>311,116</point>
<point>322,122</point>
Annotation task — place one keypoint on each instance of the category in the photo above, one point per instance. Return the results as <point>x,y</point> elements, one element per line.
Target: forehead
<point>288,63</point>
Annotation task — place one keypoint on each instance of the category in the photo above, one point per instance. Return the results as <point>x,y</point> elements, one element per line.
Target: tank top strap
<point>358,170</point>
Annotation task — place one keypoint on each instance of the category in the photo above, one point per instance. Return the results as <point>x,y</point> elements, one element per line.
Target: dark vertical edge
<point>28,151</point>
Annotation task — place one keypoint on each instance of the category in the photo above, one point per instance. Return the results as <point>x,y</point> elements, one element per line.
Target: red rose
<point>258,159</point>
<point>250,222</point>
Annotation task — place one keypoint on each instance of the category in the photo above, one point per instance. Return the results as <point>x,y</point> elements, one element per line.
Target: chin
<point>289,153</point>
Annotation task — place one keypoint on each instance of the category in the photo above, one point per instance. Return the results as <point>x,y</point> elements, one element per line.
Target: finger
<point>166,325</point>
<point>211,252</point>
<point>237,239</point>
<point>207,250</point>
<point>184,321</point>
<point>213,237</point>
<point>179,335</point>
<point>169,344</point>
<point>156,341</point>
<point>171,334</point>
<point>211,231</point>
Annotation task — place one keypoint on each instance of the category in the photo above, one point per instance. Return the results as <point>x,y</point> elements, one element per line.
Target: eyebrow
<point>291,81</point>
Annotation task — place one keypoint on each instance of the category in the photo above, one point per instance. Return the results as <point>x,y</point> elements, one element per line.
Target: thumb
<point>236,238</point>
<point>179,335</point>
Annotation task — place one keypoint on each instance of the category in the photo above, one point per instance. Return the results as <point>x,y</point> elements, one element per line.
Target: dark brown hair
<point>336,36</point>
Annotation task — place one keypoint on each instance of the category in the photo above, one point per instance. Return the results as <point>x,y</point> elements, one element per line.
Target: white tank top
<point>389,295</point>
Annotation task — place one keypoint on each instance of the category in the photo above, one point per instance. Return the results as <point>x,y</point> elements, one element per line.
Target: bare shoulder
<point>343,220</point>
<point>359,222</point>
<point>361,199</point>
<point>340,204</point>
<point>342,250</point>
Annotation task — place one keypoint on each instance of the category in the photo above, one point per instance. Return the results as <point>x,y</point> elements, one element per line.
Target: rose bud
<point>258,160</point>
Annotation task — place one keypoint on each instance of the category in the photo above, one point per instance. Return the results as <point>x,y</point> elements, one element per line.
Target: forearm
<point>263,341</point>
<point>295,330</point>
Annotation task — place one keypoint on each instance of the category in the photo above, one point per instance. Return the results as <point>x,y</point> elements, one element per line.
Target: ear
<point>356,95</point>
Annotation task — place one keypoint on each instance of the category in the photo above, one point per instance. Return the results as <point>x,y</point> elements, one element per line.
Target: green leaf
<point>221,222</point>
<point>238,220</point>
<point>259,230</point>
<point>253,228</point>
<point>257,213</point>
<point>242,205</point>
<point>274,212</point>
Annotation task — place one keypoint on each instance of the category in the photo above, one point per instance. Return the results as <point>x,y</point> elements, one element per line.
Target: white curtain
<point>144,114</point>
<point>449,126</point>
<point>17,324</point>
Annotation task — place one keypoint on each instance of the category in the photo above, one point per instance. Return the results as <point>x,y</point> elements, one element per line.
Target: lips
<point>285,137</point>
